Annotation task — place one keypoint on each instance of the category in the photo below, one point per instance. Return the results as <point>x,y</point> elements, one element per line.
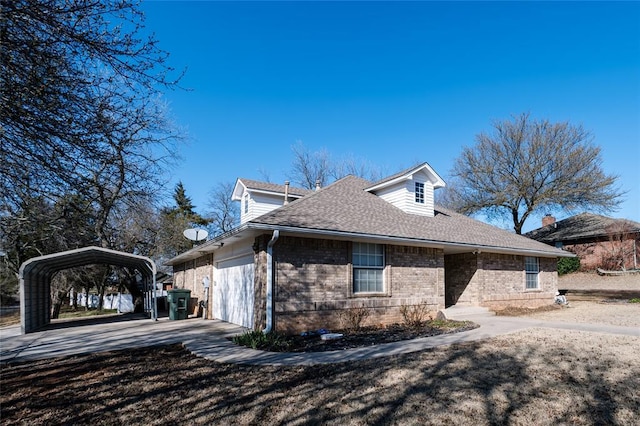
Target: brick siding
<point>502,282</point>
<point>183,278</point>
<point>607,254</point>
<point>313,282</point>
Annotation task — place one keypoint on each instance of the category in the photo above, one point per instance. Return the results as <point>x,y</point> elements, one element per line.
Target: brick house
<point>300,257</point>
<point>599,241</point>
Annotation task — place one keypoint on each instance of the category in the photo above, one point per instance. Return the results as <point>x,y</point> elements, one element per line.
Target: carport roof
<point>36,274</point>
<point>51,263</point>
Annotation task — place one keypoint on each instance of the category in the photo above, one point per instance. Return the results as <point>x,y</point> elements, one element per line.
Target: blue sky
<point>393,83</point>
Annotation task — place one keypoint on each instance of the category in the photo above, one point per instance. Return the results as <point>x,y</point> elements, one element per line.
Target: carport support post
<point>154,297</point>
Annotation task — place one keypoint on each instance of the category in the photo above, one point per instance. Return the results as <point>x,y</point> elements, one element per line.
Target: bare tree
<point>64,65</point>
<point>319,167</point>
<point>309,168</point>
<point>351,165</point>
<point>526,166</point>
<point>223,212</point>
<point>82,124</point>
<point>621,247</point>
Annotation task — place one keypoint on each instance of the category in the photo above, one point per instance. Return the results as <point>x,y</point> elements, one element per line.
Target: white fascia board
<point>438,182</point>
<point>210,246</point>
<point>238,190</point>
<point>278,193</point>
<point>464,247</point>
<point>244,231</point>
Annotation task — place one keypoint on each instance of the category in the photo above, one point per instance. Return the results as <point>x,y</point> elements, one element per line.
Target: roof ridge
<point>258,184</point>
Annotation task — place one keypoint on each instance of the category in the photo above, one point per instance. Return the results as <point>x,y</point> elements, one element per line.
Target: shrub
<point>635,300</point>
<point>415,315</point>
<point>352,318</point>
<point>448,324</point>
<point>566,265</point>
<point>256,339</point>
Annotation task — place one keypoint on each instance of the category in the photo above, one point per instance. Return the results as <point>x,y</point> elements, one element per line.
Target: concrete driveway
<point>106,334</point>
<point>209,339</point>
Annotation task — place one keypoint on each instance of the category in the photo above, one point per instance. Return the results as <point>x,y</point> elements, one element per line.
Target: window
<point>532,269</point>
<point>368,267</point>
<point>419,192</point>
<point>246,203</point>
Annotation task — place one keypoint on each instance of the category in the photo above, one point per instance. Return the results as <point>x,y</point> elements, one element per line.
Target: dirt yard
<point>537,376</point>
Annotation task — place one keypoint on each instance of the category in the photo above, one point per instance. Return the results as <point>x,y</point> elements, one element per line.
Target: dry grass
<point>536,376</point>
<point>11,318</point>
<point>593,281</point>
<point>532,377</point>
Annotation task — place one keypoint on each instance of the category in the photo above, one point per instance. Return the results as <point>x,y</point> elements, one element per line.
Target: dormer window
<point>419,192</point>
<point>246,203</point>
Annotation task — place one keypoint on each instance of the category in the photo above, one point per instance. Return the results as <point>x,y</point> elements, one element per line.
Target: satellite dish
<point>195,234</point>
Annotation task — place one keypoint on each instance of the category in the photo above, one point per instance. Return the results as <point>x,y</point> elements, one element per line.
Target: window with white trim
<point>368,268</point>
<point>532,270</point>
<point>419,191</point>
<point>246,203</point>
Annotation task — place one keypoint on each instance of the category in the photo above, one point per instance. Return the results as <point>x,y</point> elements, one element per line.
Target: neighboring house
<point>300,258</point>
<point>599,241</point>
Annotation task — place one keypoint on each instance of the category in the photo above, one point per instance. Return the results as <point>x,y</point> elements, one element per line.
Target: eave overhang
<point>252,229</point>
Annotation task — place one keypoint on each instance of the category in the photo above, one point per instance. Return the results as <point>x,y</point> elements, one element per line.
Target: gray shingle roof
<point>273,187</point>
<point>580,227</point>
<point>404,172</point>
<point>346,207</point>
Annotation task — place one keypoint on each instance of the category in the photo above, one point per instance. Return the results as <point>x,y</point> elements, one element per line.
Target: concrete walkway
<point>209,339</point>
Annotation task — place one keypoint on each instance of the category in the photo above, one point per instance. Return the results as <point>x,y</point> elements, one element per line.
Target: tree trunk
<point>74,301</point>
<point>101,289</point>
<point>56,304</point>
<point>136,294</point>
<point>86,298</point>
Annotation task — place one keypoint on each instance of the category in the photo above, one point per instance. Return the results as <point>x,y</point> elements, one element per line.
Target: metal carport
<point>36,274</point>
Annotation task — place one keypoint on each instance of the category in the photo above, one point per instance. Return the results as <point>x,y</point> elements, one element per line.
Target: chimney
<point>286,192</point>
<point>317,184</point>
<point>548,220</point>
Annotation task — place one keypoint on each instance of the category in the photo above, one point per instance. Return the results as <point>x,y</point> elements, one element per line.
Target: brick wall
<point>189,275</point>
<point>461,279</point>
<point>313,283</point>
<point>607,254</point>
<point>502,282</point>
<point>496,280</point>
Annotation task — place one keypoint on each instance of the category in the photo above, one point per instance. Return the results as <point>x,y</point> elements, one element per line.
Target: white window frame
<point>246,203</point>
<point>368,259</point>
<point>419,192</point>
<point>532,273</point>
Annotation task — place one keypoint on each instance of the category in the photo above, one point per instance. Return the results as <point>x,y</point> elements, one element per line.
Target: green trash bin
<point>178,303</point>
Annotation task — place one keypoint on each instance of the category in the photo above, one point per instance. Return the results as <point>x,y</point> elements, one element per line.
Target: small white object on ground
<point>331,336</point>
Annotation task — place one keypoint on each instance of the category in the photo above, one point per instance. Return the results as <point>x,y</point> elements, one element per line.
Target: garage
<point>233,295</point>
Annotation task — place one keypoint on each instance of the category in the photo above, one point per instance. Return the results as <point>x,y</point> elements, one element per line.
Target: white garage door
<point>233,291</point>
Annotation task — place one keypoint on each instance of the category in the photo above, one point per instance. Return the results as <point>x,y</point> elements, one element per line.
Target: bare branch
<point>526,166</point>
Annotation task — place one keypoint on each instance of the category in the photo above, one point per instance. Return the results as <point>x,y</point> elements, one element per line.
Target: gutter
<point>552,252</point>
<point>269,319</point>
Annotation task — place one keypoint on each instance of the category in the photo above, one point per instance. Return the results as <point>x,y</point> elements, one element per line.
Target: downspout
<point>269,319</point>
